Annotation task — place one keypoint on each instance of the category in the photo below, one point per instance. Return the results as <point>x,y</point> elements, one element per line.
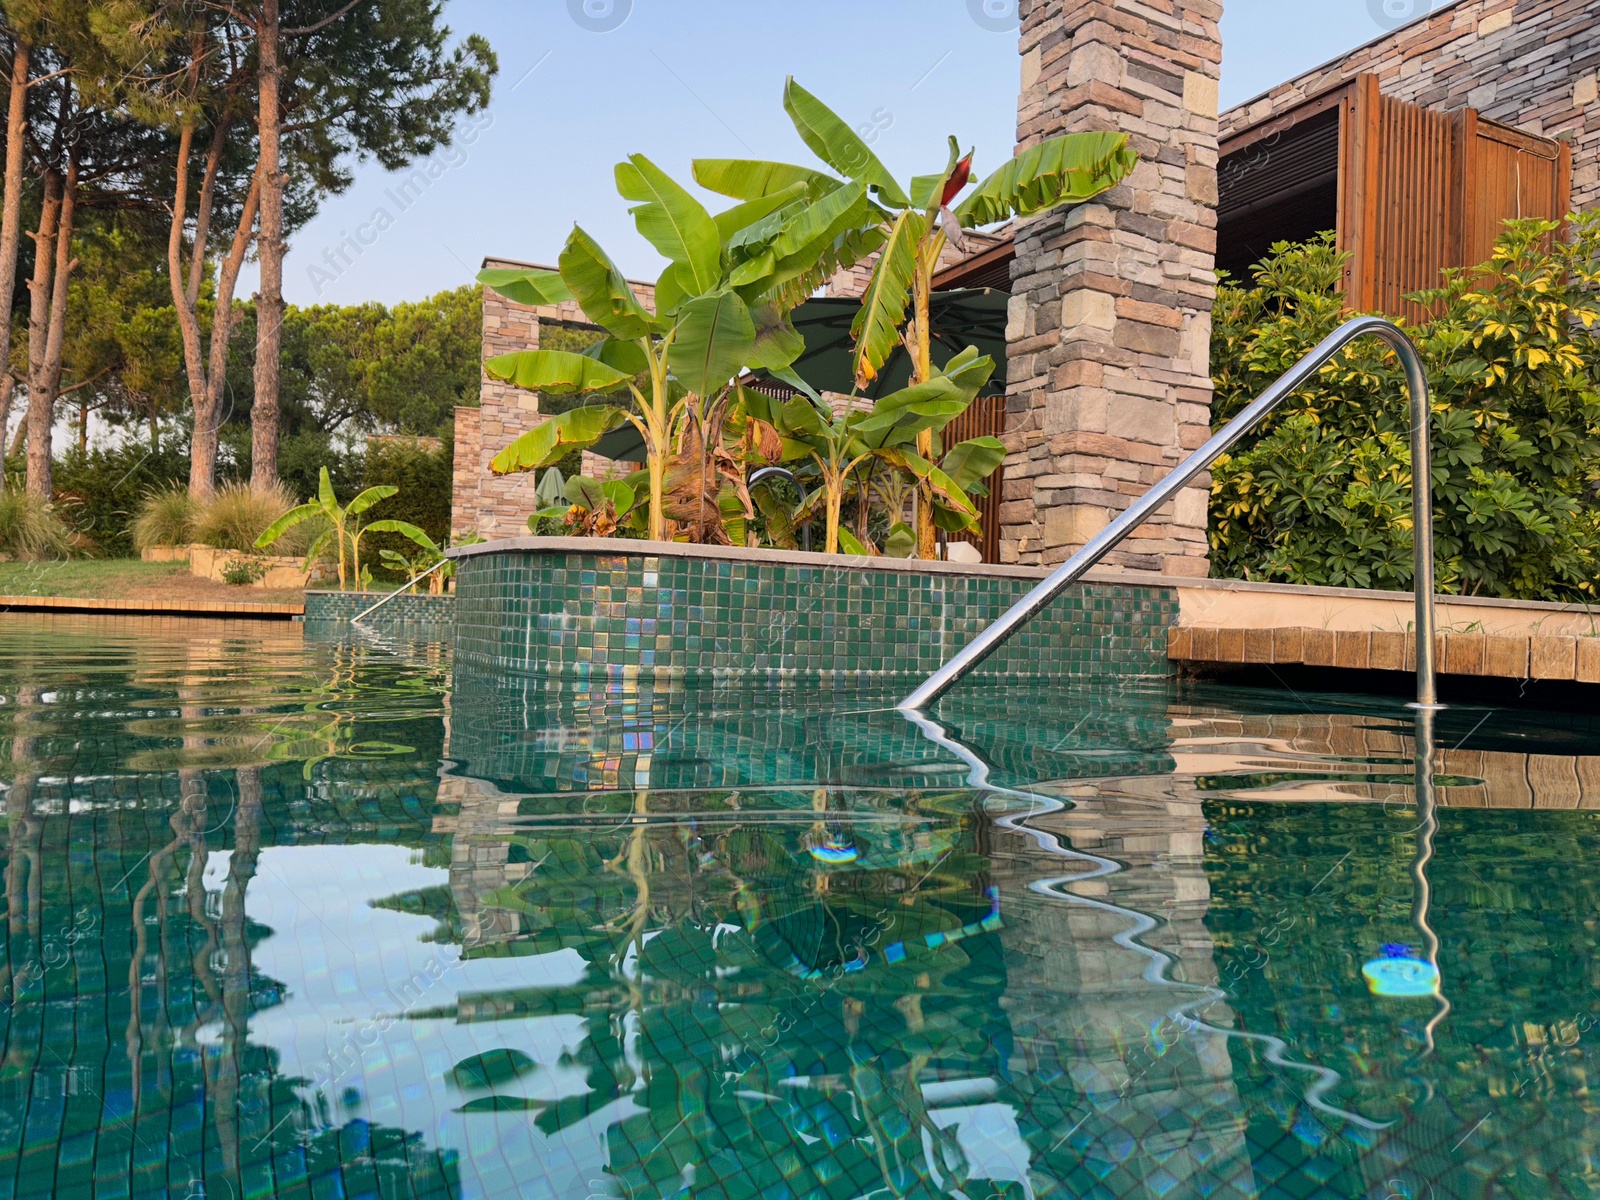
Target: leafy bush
<point>30,530</point>
<point>99,494</point>
<point>241,572</point>
<point>165,519</point>
<point>1321,494</point>
<point>236,515</point>
<point>425,478</point>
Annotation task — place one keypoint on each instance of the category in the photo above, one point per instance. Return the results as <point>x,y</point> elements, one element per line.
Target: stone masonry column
<point>1110,320</point>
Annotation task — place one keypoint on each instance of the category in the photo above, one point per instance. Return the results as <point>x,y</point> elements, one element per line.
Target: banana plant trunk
<point>921,371</point>
<point>835,500</point>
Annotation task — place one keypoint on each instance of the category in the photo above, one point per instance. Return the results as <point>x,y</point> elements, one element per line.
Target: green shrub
<point>99,494</point>
<point>30,530</point>
<point>165,519</point>
<point>425,478</point>
<point>1321,494</point>
<point>241,572</point>
<point>236,515</point>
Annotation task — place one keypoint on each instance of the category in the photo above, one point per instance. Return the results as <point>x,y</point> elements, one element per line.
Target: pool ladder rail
<point>1221,442</point>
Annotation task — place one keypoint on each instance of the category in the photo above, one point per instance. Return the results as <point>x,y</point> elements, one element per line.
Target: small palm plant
<point>344,530</point>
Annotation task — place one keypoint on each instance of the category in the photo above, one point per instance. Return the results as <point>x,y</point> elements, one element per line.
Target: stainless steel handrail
<point>1102,543</point>
<point>410,583</point>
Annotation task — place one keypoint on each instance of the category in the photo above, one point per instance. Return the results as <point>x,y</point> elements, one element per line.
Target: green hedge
<point>1322,493</point>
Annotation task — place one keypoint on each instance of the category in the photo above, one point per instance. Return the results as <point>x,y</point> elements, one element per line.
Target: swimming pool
<point>301,918</point>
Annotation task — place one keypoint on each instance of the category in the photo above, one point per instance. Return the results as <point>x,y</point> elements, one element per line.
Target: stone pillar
<point>1110,322</point>
<point>498,506</point>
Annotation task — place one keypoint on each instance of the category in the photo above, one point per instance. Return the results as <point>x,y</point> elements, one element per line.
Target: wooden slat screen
<point>1399,214</point>
<point>985,417</point>
<point>1506,174</point>
<point>1420,191</point>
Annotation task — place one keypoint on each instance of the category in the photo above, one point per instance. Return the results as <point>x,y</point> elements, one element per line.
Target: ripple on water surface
<point>319,918</point>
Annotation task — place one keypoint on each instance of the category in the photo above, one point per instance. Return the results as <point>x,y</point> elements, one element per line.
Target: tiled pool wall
<point>333,608</point>
<point>529,733</point>
<point>646,616</point>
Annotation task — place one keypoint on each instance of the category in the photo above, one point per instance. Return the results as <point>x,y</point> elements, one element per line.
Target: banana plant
<point>405,529</point>
<point>914,224</point>
<point>343,529</point>
<point>592,508</point>
<point>892,430</point>
<point>721,307</point>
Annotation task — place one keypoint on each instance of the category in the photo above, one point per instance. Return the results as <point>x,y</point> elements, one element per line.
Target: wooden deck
<point>229,609</point>
<point>1487,656</point>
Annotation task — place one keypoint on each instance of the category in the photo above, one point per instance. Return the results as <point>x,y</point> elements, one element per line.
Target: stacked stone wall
<point>497,506</point>
<point>1109,377</point>
<point>1531,64</point>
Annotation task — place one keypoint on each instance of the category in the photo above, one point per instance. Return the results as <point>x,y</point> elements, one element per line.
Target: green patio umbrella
<point>961,318</point>
<point>958,319</point>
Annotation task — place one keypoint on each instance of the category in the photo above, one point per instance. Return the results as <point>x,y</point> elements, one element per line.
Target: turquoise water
<point>333,919</point>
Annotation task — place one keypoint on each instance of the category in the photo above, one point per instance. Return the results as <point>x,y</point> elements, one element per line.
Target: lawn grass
<point>99,579</point>
<point>125,579</point>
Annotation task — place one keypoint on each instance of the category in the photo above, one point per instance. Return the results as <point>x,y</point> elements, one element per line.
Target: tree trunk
<point>11,223</point>
<point>42,397</point>
<point>40,296</point>
<point>269,304</point>
<point>205,459</point>
<point>83,427</point>
<point>206,378</point>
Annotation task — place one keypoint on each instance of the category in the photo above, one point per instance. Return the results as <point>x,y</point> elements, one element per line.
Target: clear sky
<point>585,82</point>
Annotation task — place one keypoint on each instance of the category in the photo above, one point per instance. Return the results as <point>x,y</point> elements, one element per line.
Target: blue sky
<point>680,78</point>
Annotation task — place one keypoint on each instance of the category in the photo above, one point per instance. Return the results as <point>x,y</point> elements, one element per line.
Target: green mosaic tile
<point>627,617</point>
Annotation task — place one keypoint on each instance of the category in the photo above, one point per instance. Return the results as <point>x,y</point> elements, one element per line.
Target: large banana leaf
<point>715,339</point>
<point>672,290</point>
<point>969,371</point>
<point>899,417</point>
<point>672,221</point>
<point>841,209</point>
<point>793,240</point>
<point>594,493</point>
<point>778,343</point>
<point>407,530</point>
<point>736,220</point>
<point>601,290</point>
<point>970,462</point>
<point>627,357</point>
<point>558,372</point>
<point>747,179</point>
<point>876,327</point>
<point>549,443</point>
<point>287,522</point>
<point>526,285</point>
<point>370,497</point>
<point>796,279</point>
<point>835,143</point>
<point>1060,170</point>
<point>801,418</point>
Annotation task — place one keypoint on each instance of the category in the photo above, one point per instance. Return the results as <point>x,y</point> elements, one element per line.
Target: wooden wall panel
<point>1398,215</point>
<point>1506,175</point>
<point>985,417</point>
<point>1420,191</point>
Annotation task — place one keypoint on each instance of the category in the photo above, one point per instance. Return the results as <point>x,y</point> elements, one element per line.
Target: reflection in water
<point>325,919</point>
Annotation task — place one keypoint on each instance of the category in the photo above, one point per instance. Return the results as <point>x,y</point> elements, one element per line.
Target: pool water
<point>289,917</point>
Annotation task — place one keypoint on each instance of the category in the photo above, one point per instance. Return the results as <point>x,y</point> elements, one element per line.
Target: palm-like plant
<point>343,529</point>
<point>721,306</point>
<point>913,225</point>
<point>892,431</point>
